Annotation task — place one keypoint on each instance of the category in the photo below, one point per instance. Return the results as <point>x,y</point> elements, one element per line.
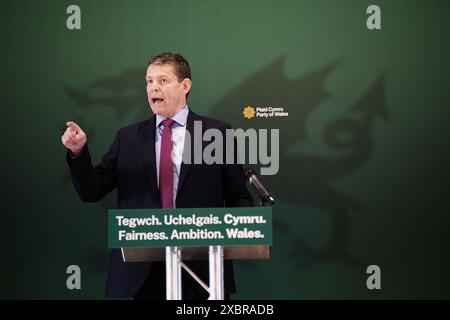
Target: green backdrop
<point>364,153</point>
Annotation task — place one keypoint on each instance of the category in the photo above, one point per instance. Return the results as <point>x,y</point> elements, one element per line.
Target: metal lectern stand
<point>173,273</point>
<point>215,254</point>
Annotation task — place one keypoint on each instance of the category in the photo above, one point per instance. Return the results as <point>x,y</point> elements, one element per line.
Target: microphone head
<point>249,172</point>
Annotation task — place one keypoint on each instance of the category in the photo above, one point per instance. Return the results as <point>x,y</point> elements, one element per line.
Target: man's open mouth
<point>155,100</point>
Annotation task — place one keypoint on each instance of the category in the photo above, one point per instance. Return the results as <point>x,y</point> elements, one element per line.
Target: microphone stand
<point>266,197</point>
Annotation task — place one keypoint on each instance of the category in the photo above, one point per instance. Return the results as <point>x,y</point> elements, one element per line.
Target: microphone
<point>262,191</point>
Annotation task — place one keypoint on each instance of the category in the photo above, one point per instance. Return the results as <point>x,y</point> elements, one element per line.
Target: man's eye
<point>163,80</point>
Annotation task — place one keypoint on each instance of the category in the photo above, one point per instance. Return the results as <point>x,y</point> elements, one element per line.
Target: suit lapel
<point>195,145</point>
<point>146,134</point>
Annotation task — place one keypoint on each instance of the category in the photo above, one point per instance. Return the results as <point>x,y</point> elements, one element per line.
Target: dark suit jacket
<point>130,166</point>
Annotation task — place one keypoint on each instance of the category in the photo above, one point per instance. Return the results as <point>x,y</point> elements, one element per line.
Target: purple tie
<point>166,166</point>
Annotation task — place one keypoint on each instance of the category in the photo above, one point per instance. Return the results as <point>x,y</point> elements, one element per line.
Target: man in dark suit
<point>145,164</point>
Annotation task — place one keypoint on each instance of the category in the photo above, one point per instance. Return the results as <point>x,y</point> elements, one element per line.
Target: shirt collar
<point>180,117</point>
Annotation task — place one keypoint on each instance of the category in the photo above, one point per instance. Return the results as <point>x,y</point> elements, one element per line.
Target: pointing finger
<point>73,126</point>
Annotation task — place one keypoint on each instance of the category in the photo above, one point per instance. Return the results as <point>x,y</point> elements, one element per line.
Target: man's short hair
<point>182,68</point>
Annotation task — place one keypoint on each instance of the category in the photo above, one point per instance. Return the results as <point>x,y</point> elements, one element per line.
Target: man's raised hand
<point>74,138</point>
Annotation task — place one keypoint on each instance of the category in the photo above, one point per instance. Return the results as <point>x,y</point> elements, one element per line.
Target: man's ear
<point>187,84</point>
